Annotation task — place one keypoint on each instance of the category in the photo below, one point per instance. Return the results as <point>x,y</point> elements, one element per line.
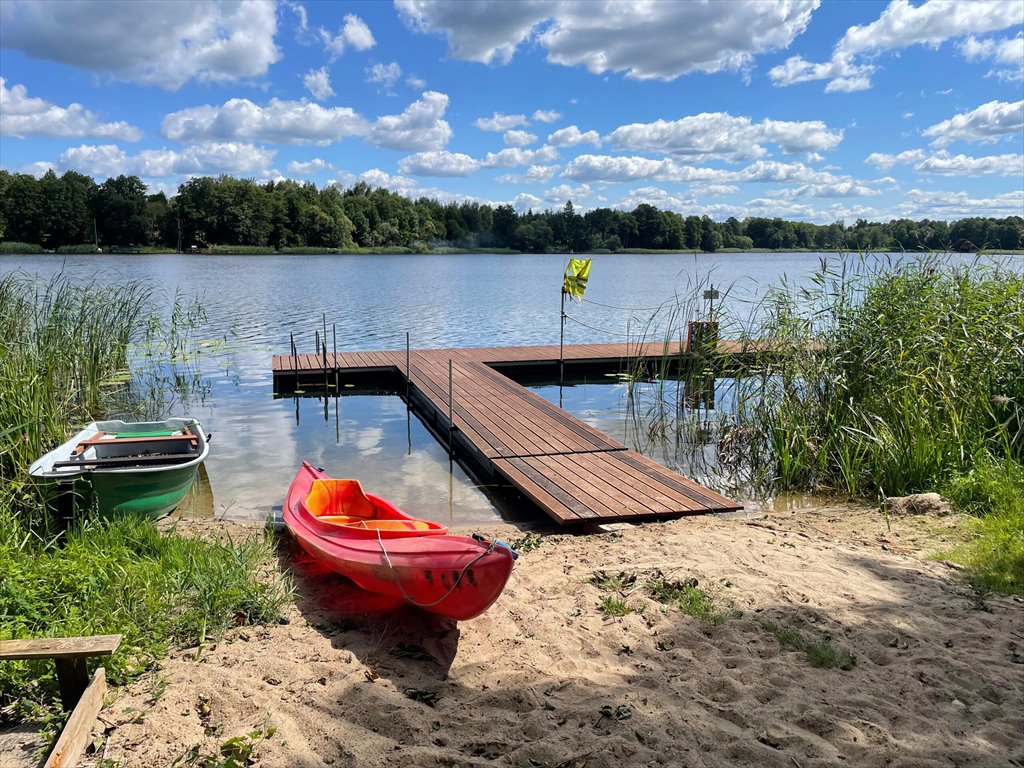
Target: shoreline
<point>544,676</point>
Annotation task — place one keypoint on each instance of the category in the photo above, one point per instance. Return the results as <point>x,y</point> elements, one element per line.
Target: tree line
<point>55,212</point>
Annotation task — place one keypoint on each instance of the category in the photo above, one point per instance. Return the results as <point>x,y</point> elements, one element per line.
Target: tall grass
<point>71,354</point>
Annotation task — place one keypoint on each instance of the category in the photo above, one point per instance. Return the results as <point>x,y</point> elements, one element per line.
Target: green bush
<point>14,247</point>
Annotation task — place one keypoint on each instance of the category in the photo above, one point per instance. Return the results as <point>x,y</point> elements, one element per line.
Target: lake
<point>256,303</point>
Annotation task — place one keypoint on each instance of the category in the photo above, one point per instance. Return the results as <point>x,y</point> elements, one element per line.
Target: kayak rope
<point>447,594</point>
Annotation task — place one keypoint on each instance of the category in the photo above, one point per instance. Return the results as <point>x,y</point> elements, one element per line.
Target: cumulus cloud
<point>535,174</point>
<point>416,83</point>
<point>525,201</point>
<point>989,122</point>
<point>1007,54</point>
<point>659,198</point>
<point>564,192</point>
<point>162,44</point>
<point>900,25</point>
<point>201,159</point>
<point>439,163</point>
<point>384,74</point>
<point>945,164</point>
<point>546,116</point>
<point>519,138</point>
<point>353,33</point>
<point>21,116</point>
<point>617,37</point>
<point>573,137</point>
<point>884,161</point>
<point>280,122</point>
<point>315,165</point>
<point>318,83</point>
<point>936,204</point>
<point>513,156</point>
<point>719,135</point>
<point>499,122</point>
<point>419,128</point>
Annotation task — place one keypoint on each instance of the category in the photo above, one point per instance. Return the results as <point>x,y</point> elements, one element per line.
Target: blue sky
<point>807,110</point>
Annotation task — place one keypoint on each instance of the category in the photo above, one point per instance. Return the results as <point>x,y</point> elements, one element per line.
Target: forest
<point>73,212</point>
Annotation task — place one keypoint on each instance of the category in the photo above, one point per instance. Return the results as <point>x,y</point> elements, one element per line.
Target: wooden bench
<point>69,653</point>
<point>81,698</point>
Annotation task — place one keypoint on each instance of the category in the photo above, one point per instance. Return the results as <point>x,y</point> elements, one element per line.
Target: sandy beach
<point>544,678</point>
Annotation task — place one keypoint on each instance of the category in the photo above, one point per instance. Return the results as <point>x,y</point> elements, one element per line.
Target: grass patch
<point>821,653</point>
<point>611,605</point>
<point>613,582</point>
<point>688,597</point>
<point>994,494</point>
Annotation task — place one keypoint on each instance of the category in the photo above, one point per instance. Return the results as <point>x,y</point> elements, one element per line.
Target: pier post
<point>408,367</point>
<point>451,419</point>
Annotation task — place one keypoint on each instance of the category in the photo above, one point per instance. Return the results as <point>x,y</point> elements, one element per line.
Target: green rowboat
<point>121,468</point>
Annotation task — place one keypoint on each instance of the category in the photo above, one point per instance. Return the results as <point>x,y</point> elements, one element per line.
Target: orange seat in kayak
<point>339,498</point>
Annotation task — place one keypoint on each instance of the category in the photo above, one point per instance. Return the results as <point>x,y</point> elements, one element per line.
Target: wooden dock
<point>573,472</point>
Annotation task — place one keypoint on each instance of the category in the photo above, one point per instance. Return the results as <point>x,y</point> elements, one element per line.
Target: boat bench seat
<point>102,438</point>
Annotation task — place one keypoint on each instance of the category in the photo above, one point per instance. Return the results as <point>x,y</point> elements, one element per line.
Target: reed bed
<point>69,354</point>
<point>886,378</point>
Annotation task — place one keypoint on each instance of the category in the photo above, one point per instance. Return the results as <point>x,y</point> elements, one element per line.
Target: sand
<point>545,679</point>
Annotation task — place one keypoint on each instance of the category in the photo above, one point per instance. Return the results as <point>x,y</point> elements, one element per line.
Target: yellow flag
<point>576,275</point>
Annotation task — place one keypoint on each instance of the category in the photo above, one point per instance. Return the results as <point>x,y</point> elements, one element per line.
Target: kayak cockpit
<point>342,504</point>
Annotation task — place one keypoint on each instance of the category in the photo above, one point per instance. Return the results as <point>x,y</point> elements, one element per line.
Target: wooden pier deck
<point>573,472</point>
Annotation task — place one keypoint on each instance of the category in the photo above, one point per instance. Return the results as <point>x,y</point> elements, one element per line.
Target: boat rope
<point>446,595</point>
<point>602,330</point>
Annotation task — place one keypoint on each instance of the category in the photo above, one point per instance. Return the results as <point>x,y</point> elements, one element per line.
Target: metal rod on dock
<point>561,343</point>
<point>408,368</point>
<point>334,337</point>
<point>327,385</point>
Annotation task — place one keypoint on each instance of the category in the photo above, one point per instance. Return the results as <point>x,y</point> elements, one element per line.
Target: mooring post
<point>334,337</point>
<point>295,361</point>
<point>326,380</point>
<point>451,420</point>
<point>408,368</point>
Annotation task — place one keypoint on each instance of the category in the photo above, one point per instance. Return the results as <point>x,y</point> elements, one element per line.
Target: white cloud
<point>939,204</point>
<point>416,83</point>
<point>280,122</point>
<point>719,135</point>
<point>989,122</point>
<point>513,156</point>
<point>659,198</point>
<point>524,201</point>
<point>945,164</point>
<point>162,44</point>
<point>384,74</point>
<point>318,83</point>
<point>201,159</point>
<point>1007,54</point>
<point>885,162</point>
<point>900,25</point>
<point>519,138</point>
<point>22,116</point>
<point>546,116</point>
<point>375,177</point>
<point>499,122</point>
<point>641,40</point>
<point>535,174</point>
<point>564,192</point>
<point>309,168</point>
<point>715,190</point>
<point>611,169</point>
<point>419,128</point>
<point>573,136</point>
<point>439,163</point>
<point>353,33</point>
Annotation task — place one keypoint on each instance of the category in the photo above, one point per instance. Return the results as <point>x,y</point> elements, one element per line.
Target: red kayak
<point>383,550</point>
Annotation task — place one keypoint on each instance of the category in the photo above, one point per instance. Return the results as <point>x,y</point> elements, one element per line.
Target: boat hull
<point>454,576</point>
<point>106,477</point>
